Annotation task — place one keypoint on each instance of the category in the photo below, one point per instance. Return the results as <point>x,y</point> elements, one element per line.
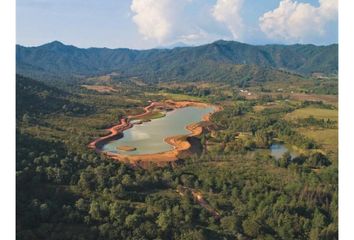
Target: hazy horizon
<point>146,24</point>
<point>172,47</point>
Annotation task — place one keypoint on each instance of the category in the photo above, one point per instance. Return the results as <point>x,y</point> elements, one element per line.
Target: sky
<point>143,24</point>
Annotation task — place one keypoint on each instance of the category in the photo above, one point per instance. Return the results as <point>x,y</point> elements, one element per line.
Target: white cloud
<point>298,22</point>
<point>196,35</point>
<point>229,13</point>
<point>171,21</point>
<point>165,21</point>
<point>154,18</point>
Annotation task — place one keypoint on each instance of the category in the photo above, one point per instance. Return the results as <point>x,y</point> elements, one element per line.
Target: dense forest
<point>67,191</point>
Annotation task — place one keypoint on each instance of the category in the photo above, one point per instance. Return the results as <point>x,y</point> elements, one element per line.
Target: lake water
<point>277,150</point>
<point>148,137</point>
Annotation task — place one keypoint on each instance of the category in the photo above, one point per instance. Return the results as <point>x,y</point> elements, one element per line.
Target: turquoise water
<point>277,150</point>
<point>148,138</point>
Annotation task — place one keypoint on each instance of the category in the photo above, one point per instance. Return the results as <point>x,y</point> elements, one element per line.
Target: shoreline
<point>180,143</point>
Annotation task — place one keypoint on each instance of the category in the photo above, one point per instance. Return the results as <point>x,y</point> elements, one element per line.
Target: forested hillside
<point>218,61</point>
<point>34,98</point>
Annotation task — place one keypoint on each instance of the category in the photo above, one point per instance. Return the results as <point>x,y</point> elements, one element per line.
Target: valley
<point>232,150</point>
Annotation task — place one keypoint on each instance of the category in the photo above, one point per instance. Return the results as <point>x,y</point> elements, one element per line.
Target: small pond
<point>277,150</point>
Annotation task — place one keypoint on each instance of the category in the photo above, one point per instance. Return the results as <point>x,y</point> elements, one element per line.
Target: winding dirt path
<point>198,197</point>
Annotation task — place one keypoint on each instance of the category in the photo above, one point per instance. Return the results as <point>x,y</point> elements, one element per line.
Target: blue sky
<point>145,24</point>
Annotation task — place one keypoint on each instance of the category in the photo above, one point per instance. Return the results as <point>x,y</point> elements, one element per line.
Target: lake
<point>148,137</point>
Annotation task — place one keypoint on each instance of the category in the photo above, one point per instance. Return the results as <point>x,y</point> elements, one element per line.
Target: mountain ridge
<point>56,58</point>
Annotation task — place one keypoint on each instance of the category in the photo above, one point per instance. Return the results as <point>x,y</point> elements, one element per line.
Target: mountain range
<point>217,61</point>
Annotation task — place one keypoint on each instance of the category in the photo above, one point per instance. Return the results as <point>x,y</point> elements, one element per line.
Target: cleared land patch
<point>100,88</point>
<point>180,97</point>
<point>331,99</point>
<point>259,108</point>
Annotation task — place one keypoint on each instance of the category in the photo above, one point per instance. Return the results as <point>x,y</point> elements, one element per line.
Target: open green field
<point>318,113</point>
<point>327,138</point>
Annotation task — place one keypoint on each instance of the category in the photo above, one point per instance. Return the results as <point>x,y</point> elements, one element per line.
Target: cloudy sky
<point>145,24</point>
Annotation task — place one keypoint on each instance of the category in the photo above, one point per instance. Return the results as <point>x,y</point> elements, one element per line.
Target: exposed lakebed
<point>148,137</point>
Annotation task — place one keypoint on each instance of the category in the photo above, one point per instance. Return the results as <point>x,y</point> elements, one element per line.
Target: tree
<point>26,118</point>
<point>318,160</point>
<point>262,139</point>
<point>132,220</point>
<point>231,224</point>
<point>95,210</point>
<point>318,220</point>
<point>164,220</point>
<point>87,181</point>
<point>194,235</point>
<point>127,180</point>
<point>285,160</point>
<point>44,211</point>
<point>118,191</point>
<point>251,227</point>
<point>81,205</point>
<point>299,159</point>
